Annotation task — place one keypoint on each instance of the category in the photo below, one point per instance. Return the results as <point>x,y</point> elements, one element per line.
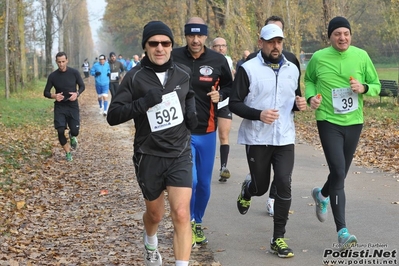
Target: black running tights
<point>339,145</point>
<point>260,158</point>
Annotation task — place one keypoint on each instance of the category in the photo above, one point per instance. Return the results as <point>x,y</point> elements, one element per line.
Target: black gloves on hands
<point>108,74</point>
<point>98,73</point>
<point>116,78</point>
<point>191,120</point>
<point>152,97</point>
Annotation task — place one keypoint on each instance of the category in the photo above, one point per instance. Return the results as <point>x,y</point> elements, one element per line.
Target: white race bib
<point>114,75</point>
<point>166,114</point>
<point>344,100</point>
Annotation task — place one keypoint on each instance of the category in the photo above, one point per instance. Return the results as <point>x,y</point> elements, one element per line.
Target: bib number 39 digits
<point>344,100</point>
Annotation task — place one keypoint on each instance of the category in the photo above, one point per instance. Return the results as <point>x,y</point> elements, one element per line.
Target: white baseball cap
<point>271,31</point>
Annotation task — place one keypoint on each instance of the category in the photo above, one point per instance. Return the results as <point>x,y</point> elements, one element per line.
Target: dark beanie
<point>336,23</point>
<point>156,28</point>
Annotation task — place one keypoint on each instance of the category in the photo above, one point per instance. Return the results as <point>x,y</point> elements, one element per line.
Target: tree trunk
<point>60,18</point>
<point>327,18</point>
<point>7,77</point>
<point>49,37</point>
<point>13,47</point>
<point>21,38</point>
<point>35,66</point>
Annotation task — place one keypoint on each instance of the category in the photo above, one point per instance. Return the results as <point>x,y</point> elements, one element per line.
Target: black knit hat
<point>156,28</point>
<point>336,23</point>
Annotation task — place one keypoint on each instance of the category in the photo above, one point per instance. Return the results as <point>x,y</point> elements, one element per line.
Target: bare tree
<point>7,78</point>
<point>61,10</point>
<point>49,36</point>
<point>21,42</point>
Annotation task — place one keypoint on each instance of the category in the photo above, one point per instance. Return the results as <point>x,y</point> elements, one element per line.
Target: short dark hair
<point>275,18</point>
<point>59,54</point>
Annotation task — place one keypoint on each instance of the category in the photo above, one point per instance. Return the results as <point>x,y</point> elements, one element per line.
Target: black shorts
<point>155,173</point>
<point>86,74</point>
<point>66,115</point>
<point>225,112</point>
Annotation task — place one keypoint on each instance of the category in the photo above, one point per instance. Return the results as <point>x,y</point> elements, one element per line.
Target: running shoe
<point>101,110</point>
<point>152,257</point>
<point>346,240</point>
<point>243,204</point>
<point>224,174</point>
<point>74,142</point>
<point>270,206</point>
<point>105,113</point>
<point>193,238</point>
<point>200,238</point>
<point>68,157</point>
<point>281,248</point>
<point>321,205</point>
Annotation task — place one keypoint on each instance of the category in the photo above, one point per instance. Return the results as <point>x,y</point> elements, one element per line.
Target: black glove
<point>152,97</point>
<point>108,74</point>
<point>191,120</point>
<point>116,78</point>
<point>98,73</point>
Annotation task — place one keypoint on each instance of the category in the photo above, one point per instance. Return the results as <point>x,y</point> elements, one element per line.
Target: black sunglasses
<point>155,44</point>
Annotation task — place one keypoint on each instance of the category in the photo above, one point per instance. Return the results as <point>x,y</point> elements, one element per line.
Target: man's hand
<point>98,73</point>
<point>191,120</point>
<point>300,103</point>
<point>356,86</point>
<point>214,94</point>
<point>315,101</point>
<point>59,97</point>
<point>269,116</point>
<point>153,97</point>
<point>73,97</point>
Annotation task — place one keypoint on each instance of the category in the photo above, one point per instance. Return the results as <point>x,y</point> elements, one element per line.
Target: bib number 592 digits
<point>165,116</point>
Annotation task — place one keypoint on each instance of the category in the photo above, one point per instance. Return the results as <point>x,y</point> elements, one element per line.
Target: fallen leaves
<point>378,145</point>
<point>20,204</point>
<point>89,211</point>
<point>85,212</point>
<point>103,192</point>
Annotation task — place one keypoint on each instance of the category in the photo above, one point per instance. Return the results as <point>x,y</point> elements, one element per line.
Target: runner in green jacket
<point>336,79</point>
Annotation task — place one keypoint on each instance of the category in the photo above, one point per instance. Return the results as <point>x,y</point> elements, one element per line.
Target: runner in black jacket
<point>66,108</point>
<point>212,81</point>
<point>158,96</point>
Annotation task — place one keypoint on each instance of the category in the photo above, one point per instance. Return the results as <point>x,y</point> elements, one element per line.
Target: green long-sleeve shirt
<point>328,73</point>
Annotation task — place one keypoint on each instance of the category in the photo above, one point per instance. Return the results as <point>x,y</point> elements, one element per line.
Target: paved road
<point>239,239</point>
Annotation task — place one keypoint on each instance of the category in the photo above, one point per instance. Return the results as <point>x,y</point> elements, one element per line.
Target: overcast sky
<point>96,10</point>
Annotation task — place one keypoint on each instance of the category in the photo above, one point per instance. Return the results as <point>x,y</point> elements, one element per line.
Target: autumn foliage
<point>89,212</point>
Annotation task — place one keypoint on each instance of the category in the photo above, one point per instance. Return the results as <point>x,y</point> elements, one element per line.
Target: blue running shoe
<point>321,206</point>
<point>346,240</point>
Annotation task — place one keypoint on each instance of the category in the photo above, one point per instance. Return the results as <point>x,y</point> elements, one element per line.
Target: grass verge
<point>26,125</point>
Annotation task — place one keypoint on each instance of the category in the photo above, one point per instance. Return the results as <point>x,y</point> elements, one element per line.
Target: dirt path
<point>68,222</point>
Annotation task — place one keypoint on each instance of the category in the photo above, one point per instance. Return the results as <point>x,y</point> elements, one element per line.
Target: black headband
<point>196,29</point>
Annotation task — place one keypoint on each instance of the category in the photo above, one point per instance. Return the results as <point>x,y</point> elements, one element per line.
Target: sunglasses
<point>155,44</point>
